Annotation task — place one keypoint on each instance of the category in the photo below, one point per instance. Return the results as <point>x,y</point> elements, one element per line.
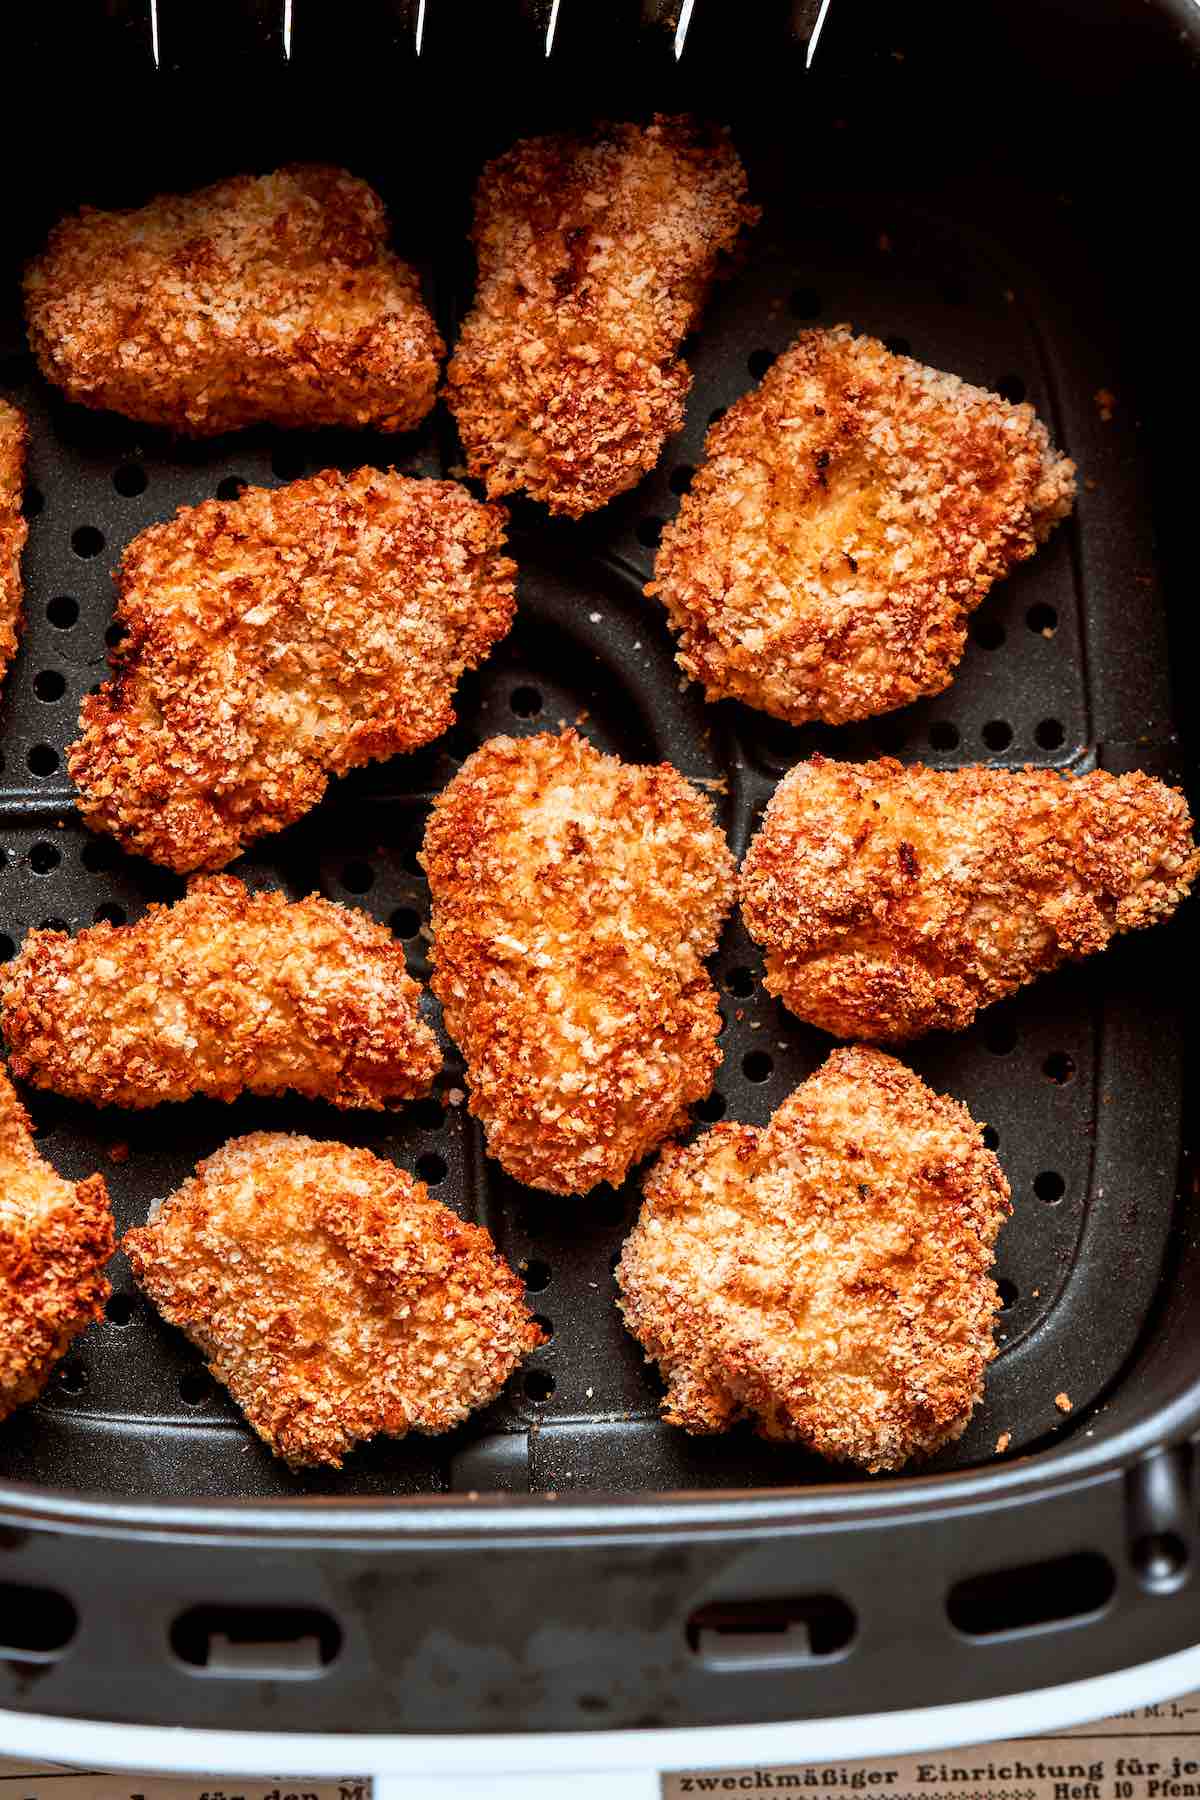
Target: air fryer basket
<point>992,191</point>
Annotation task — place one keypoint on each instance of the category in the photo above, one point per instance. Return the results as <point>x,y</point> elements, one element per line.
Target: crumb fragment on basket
<point>1106,402</point>
<point>1002,1442</point>
<point>1063,1402</point>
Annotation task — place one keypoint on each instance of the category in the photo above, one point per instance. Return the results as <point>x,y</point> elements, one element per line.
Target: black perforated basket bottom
<point>1078,1078</point>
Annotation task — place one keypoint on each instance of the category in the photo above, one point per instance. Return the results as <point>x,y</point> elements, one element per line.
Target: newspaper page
<point>1152,1753</point>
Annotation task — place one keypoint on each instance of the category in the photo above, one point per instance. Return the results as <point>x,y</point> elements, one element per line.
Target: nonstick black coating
<point>1078,1078</point>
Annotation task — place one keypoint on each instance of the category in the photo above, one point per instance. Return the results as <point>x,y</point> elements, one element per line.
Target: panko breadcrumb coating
<point>55,1238</point>
<point>332,1295</point>
<point>893,901</point>
<point>827,1275</point>
<point>14,438</point>
<point>851,513</point>
<point>574,900</point>
<point>264,298</point>
<point>595,257</point>
<point>276,640</point>
<point>224,992</point>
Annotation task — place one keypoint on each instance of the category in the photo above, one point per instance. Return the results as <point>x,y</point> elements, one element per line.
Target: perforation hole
<point>98,854</point>
<point>546,1325</point>
<point>109,913</point>
<point>1059,1068</point>
<point>649,532</point>
<point>1050,734</point>
<point>120,1310</point>
<point>87,541</point>
<point>33,503</point>
<point>53,923</point>
<point>717,413</point>
<point>740,982</point>
<point>459,743</point>
<point>115,634</point>
<point>888,735</point>
<point>991,1137</point>
<point>7,948</point>
<point>1007,1291</point>
<point>1000,1036</point>
<point>1011,387</point>
<point>989,634</point>
<point>997,734</point>
<point>232,487</point>
<point>681,478</point>
<point>525,702</point>
<point>711,1108</point>
<point>43,857</point>
<point>42,760</point>
<point>49,685</point>
<point>899,346</point>
<point>405,922</point>
<point>537,1277</point>
<point>1049,1186</point>
<point>431,1168</point>
<point>943,735</point>
<point>358,877</point>
<point>62,611</point>
<point>195,1388</point>
<point>428,1115</point>
<point>130,480</point>
<point>1043,619</point>
<point>539,1386</point>
<point>757,1066</point>
<point>759,361</point>
<point>287,463</point>
<point>804,303</point>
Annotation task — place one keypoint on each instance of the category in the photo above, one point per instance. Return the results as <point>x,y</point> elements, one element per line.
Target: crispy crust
<point>574,899</point>
<point>894,901</point>
<point>225,992</point>
<point>262,298</point>
<point>852,511</point>
<point>826,1276</point>
<point>277,639</point>
<point>332,1295</point>
<point>595,260</point>
<point>14,442</point>
<point>55,1238</point>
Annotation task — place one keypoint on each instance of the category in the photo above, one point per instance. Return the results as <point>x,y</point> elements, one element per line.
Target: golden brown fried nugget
<point>574,900</point>
<point>827,1275</point>
<point>225,992</point>
<point>893,901</point>
<point>332,1295</point>
<point>852,511</point>
<point>276,640</point>
<point>55,1238</point>
<point>595,259</point>
<point>14,439</point>
<point>271,297</point>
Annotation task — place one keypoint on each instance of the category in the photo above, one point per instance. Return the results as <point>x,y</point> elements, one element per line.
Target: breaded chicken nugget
<point>276,640</point>
<point>827,1275</point>
<point>595,259</point>
<point>225,992</point>
<point>14,437</point>
<point>271,297</point>
<point>574,899</point>
<point>55,1238</point>
<point>894,901</point>
<point>851,513</point>
<point>331,1295</point>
